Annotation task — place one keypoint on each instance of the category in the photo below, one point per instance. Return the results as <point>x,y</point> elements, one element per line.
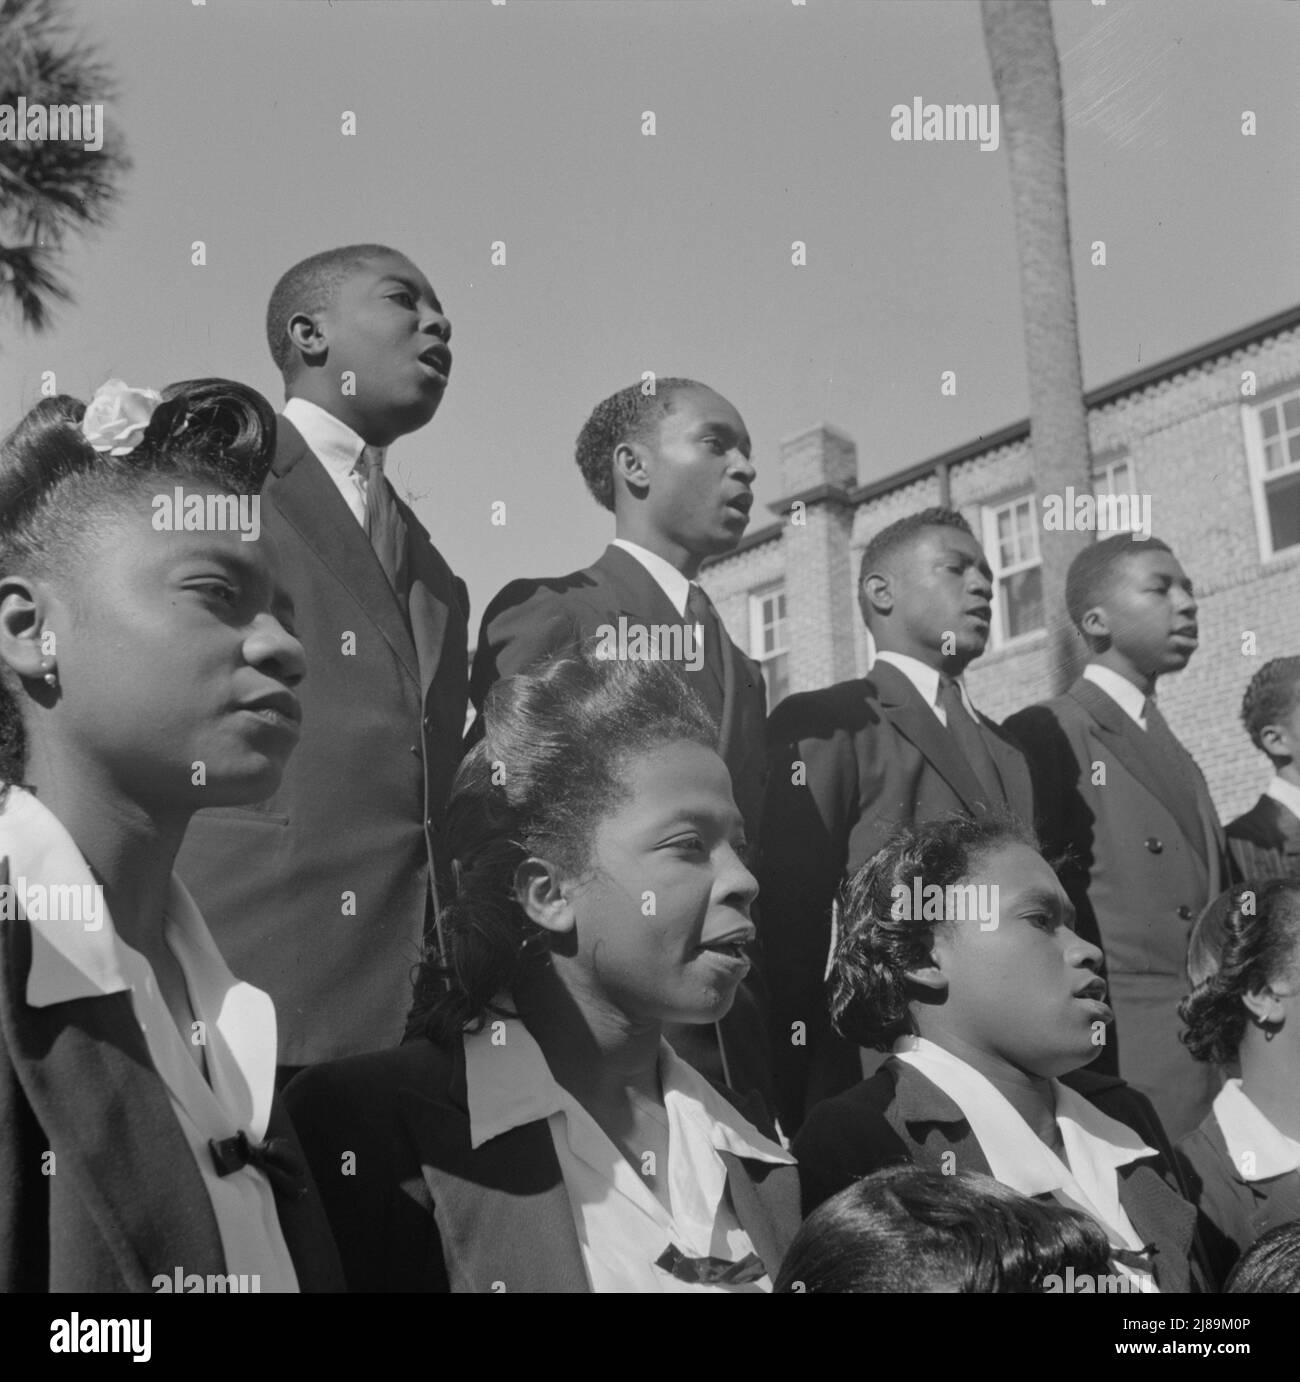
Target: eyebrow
<point>411,287</point>
<point>725,429</point>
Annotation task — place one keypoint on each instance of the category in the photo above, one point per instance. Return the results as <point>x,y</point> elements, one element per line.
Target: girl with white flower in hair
<point>144,674</point>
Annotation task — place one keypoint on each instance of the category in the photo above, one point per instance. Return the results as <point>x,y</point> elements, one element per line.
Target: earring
<point>51,677</point>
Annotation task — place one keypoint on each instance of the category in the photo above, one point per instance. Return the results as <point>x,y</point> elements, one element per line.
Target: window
<point>1273,451</point>
<point>1118,477</point>
<point>769,640</point>
<point>1011,544</point>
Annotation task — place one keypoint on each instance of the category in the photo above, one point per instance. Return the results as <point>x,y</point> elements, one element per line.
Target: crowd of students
<point>632,987</point>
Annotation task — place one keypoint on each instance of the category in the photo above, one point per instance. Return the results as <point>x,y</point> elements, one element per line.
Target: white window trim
<point>756,598</point>
<point>988,523</point>
<point>1253,434</point>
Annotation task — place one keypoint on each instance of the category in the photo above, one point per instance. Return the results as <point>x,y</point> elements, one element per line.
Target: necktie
<point>277,1158</point>
<point>699,610</point>
<point>969,738</point>
<point>384,526</point>
<point>711,1271</point>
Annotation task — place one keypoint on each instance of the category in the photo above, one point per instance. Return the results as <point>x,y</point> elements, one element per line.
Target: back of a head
<point>1270,1266</point>
<point>1271,697</point>
<point>548,768</point>
<point>904,1229</point>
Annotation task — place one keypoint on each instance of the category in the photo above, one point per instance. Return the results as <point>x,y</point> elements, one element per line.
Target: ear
<point>308,337</point>
<point>879,591</point>
<point>1264,1006</point>
<point>539,891</point>
<point>631,465</point>
<point>1095,623</point>
<point>930,977</point>
<point>1277,742</point>
<point>26,644</point>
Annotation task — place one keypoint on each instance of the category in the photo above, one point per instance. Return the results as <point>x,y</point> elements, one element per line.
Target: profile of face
<point>173,650</point>
<point>936,596</point>
<point>660,916</point>
<point>1148,613</point>
<point>387,329</point>
<point>1026,991</point>
<point>696,473</point>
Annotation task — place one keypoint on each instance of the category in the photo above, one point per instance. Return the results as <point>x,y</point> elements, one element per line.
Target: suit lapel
<point>503,1211</point>
<point>309,501</point>
<point>85,1070</point>
<point>766,1201</point>
<point>917,723</point>
<point>429,612</point>
<point>1012,768</point>
<point>1161,1218</point>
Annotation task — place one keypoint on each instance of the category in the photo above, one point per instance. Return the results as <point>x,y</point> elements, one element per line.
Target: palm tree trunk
<point>1027,76</point>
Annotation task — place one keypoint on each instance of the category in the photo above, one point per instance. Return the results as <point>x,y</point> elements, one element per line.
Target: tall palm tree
<point>1027,76</point>
<point>49,188</point>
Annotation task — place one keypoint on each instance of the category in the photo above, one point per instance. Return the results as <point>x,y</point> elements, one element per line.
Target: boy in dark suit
<point>1265,842</point>
<point>851,763</point>
<point>1127,805</point>
<point>673,467</point>
<point>321,895</point>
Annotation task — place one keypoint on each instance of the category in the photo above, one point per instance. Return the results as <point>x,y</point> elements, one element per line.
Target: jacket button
<point>1185,912</point>
<point>1154,845</point>
<point>415,749</point>
<point>428,723</point>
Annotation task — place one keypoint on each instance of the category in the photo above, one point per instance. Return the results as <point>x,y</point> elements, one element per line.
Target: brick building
<point>1211,435</point>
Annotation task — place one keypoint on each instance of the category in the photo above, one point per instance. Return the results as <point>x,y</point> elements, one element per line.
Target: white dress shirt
<point>622,1227</point>
<point>1096,1145</point>
<point>1128,697</point>
<point>1259,1151</point>
<point>71,961</point>
<point>926,680</point>
<point>337,447</point>
<point>1287,793</point>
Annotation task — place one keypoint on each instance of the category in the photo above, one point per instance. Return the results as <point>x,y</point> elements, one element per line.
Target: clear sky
<point>522,123</point>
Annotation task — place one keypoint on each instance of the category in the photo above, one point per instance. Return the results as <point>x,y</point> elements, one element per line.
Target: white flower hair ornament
<point>118,416</point>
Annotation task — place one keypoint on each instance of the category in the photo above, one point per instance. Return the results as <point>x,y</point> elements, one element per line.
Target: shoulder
<point>1255,826</point>
<point>364,1091</point>
<point>530,596</point>
<point>851,1117</point>
<point>844,708</point>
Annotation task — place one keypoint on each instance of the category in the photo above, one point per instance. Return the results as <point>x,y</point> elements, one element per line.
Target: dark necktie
<point>699,610</point>
<point>384,526</point>
<point>969,738</point>
<point>711,1271</point>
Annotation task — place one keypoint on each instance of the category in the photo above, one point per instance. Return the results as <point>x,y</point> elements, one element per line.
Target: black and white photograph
<point>648,646</point>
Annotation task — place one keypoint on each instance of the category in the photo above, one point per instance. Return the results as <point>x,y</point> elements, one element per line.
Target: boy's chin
<point>247,788</point>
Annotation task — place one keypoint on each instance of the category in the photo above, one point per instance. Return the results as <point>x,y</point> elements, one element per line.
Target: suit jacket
<point>321,893</point>
<point>421,1210</point>
<point>531,620</point>
<point>124,1202</point>
<point>900,1116</point>
<point>874,757</point>
<point>1233,1212</point>
<point>1265,842</point>
<point>1143,858</point>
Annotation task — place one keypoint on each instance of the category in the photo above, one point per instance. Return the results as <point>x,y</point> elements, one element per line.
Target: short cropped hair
<point>1273,693</point>
<point>1270,1266</point>
<point>310,286</point>
<point>1245,939</point>
<point>904,1229</point>
<point>629,415</point>
<point>1092,572</point>
<point>898,535</point>
<point>869,988</point>
<point>550,766</point>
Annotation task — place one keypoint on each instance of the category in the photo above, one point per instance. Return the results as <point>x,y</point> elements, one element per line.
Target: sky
<point>625,252</point>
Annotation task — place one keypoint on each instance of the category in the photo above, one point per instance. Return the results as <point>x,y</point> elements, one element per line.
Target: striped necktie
<point>384,526</point>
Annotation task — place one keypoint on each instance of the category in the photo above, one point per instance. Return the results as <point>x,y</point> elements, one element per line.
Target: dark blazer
<point>1144,858</point>
<point>900,1116</point>
<point>874,756</point>
<point>320,894</point>
<point>1265,842</point>
<point>1233,1212</point>
<point>531,620</point>
<point>420,1210</point>
<point>125,1202</point>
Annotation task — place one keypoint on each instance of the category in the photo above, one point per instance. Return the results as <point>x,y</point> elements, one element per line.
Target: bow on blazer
<point>1233,1212</point>
<point>899,1115</point>
<point>848,765</point>
<point>1144,857</point>
<point>415,1208</point>
<point>320,894</point>
<point>1265,842</point>
<point>531,620</point>
<point>124,1202</point>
